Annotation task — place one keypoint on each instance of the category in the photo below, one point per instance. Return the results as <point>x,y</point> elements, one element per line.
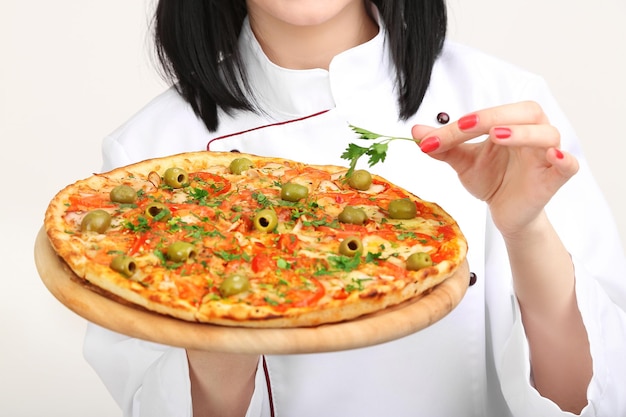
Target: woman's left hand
<point>516,170</point>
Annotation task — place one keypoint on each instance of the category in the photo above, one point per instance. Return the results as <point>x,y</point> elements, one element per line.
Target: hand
<point>516,170</point>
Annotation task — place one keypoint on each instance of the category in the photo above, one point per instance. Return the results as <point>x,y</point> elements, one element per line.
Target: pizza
<point>236,239</point>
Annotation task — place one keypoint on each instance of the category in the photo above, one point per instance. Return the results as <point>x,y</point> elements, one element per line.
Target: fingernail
<point>502,132</point>
<point>559,154</point>
<point>430,144</point>
<point>468,122</point>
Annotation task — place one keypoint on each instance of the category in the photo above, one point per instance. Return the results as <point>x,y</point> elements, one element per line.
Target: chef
<point>494,354</point>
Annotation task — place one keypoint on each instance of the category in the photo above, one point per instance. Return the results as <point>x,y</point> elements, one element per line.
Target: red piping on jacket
<point>269,386</point>
<point>208,146</point>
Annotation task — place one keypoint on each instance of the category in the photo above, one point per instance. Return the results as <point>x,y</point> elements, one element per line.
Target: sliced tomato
<point>305,298</point>
<point>190,290</point>
<point>310,173</point>
<point>213,183</point>
<point>191,269</point>
<point>199,210</point>
<point>445,252</point>
<point>301,297</point>
<point>359,200</point>
<point>141,239</point>
<point>288,242</point>
<point>139,242</point>
<point>392,269</point>
<point>263,263</point>
<point>89,201</point>
<point>447,232</point>
<point>341,295</point>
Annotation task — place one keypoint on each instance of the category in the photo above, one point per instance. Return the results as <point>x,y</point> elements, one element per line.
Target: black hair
<point>196,45</point>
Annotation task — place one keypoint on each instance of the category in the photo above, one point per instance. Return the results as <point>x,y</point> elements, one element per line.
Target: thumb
<point>455,157</point>
<point>422,132</point>
<point>419,132</point>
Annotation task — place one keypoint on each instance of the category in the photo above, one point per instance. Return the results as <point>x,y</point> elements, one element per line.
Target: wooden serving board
<point>393,323</point>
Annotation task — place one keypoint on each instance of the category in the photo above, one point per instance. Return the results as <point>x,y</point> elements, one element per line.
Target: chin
<point>304,12</point>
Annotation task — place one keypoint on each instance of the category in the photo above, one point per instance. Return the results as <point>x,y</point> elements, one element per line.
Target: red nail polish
<point>502,132</point>
<point>430,144</point>
<point>468,122</point>
<point>559,154</point>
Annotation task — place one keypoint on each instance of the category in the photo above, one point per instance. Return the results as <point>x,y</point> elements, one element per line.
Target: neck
<point>307,46</point>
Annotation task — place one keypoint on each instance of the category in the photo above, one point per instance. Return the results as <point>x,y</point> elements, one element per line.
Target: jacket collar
<point>351,73</point>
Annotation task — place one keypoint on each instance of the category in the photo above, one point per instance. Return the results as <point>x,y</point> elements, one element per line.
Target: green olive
<point>96,221</point>
<point>157,211</point>
<point>123,194</point>
<point>418,260</point>
<point>293,192</point>
<point>181,251</point>
<point>239,165</point>
<point>124,264</point>
<point>353,215</point>
<point>176,177</point>
<point>402,208</point>
<point>234,284</point>
<point>265,220</point>
<point>360,180</point>
<point>351,246</point>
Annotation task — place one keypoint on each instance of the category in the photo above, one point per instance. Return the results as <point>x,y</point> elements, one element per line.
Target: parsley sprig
<point>377,151</point>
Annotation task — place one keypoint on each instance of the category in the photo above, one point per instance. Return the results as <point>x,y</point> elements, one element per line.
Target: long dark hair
<point>196,45</point>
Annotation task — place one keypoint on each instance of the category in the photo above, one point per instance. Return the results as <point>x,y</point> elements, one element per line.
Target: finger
<point>564,163</point>
<point>561,167</point>
<point>539,136</point>
<point>480,123</point>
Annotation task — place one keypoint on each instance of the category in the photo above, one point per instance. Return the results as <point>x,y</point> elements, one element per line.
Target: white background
<point>71,71</point>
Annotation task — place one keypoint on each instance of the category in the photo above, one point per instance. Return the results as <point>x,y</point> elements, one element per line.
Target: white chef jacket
<point>473,362</point>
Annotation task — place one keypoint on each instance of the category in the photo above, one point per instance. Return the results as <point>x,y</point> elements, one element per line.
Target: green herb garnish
<point>142,226</point>
<point>198,195</point>
<point>357,284</point>
<point>262,199</point>
<point>282,264</point>
<point>345,263</point>
<point>377,151</point>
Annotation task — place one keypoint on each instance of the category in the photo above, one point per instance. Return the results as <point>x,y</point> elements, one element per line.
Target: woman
<point>540,331</point>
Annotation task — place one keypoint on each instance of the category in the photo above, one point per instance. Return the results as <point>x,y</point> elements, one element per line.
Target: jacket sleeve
<point>143,378</point>
<point>585,224</point>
